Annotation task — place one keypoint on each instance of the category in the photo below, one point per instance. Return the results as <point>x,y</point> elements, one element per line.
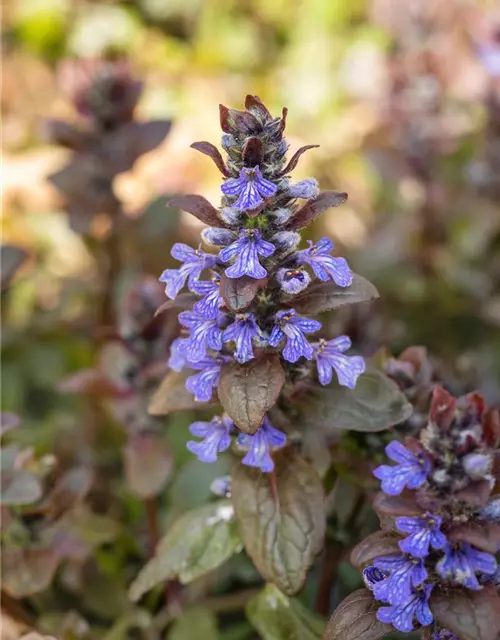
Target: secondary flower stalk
<point>445,526</point>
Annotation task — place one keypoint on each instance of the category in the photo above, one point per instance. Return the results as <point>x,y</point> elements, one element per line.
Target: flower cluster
<point>241,307</point>
<point>438,514</point>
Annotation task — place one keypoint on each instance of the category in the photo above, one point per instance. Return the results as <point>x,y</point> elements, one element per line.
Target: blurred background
<point>404,99</point>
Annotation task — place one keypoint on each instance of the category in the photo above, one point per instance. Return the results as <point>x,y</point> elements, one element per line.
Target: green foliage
<point>373,405</point>
<point>196,622</point>
<point>281,519</point>
<point>248,391</point>
<point>200,541</point>
<point>277,617</point>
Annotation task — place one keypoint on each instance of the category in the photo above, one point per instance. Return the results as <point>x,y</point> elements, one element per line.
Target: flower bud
<point>307,189</point>
<point>228,142</point>
<point>491,511</point>
<point>221,486</point>
<point>217,237</point>
<point>281,216</point>
<point>476,465</point>
<point>286,240</point>
<point>230,215</point>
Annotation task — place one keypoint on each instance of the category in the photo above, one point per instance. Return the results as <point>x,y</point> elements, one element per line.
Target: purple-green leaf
<point>63,133</point>
<point>375,404</point>
<point>28,571</point>
<point>172,395</point>
<point>326,296</point>
<point>238,293</point>
<point>243,122</point>
<point>248,391</point>
<point>12,258</point>
<point>199,207</point>
<point>20,487</point>
<point>470,615</point>
<point>210,150</point>
<point>181,302</point>
<point>147,464</point>
<point>8,421</point>
<point>295,158</point>
<point>356,619</point>
<point>314,208</point>
<point>483,535</point>
<point>255,104</point>
<point>281,518</point>
<point>376,544</point>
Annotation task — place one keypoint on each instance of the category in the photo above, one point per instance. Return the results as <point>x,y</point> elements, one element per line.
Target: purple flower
<point>405,573</point>
<point>489,55</point>
<point>216,438</point>
<point>202,383</point>
<point>221,486</point>
<point>205,334</point>
<point>251,188</point>
<point>460,563</point>
<point>246,250</point>
<point>178,358</point>
<point>242,332</point>
<point>208,307</point>
<point>325,266</point>
<point>444,634</point>
<point>371,575</point>
<point>423,532</point>
<point>259,444</point>
<point>401,615</point>
<point>293,281</point>
<point>195,261</point>
<point>411,471</point>
<point>293,327</point>
<point>307,189</point>
<point>329,356</point>
<point>491,511</point>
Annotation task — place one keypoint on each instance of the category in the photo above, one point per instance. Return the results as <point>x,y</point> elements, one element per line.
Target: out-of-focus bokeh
<point>404,99</point>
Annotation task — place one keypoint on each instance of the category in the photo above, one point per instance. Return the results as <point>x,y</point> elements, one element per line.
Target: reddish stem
<point>153,523</point>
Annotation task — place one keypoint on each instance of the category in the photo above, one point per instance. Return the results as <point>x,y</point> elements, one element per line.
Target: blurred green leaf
<point>28,571</point>
<point>191,486</point>
<point>147,465</point>
<point>137,618</point>
<point>374,405</point>
<point>277,617</point>
<point>11,258</point>
<point>21,487</point>
<point>198,542</point>
<point>195,622</point>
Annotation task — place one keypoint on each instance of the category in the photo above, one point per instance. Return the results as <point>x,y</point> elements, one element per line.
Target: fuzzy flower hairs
<point>247,330</point>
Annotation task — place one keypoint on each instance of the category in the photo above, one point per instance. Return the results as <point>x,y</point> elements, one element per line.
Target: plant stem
<point>153,524</point>
<point>112,261</point>
<point>331,558</point>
